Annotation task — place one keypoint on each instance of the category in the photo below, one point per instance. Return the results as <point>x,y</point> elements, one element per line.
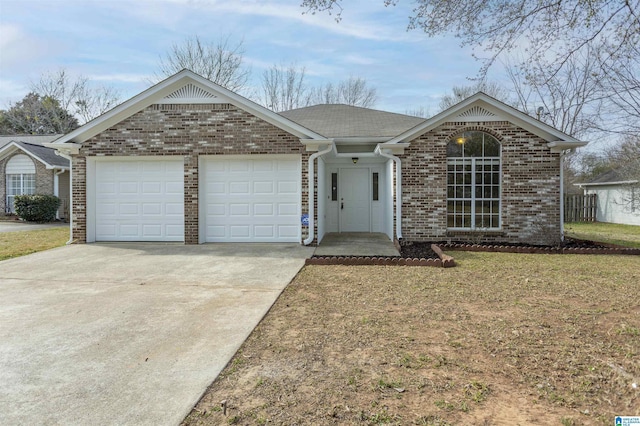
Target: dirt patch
<point>501,339</point>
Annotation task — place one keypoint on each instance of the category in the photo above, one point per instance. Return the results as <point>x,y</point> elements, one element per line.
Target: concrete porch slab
<point>356,244</point>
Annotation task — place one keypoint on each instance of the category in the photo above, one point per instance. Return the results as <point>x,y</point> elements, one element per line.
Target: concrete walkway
<point>16,225</point>
<point>356,244</point>
<point>122,334</point>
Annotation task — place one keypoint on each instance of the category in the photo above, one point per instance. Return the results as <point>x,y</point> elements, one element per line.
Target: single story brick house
<point>28,167</point>
<point>187,160</point>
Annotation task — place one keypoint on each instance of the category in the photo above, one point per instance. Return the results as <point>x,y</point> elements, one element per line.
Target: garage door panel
<point>263,209</point>
<point>140,200</point>
<point>243,199</point>
<point>263,188</point>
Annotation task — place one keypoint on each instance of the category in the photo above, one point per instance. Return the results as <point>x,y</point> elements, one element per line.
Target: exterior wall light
<point>354,159</point>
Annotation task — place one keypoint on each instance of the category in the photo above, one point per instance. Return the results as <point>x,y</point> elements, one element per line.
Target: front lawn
<point>14,244</point>
<point>501,339</point>
<point>612,233</point>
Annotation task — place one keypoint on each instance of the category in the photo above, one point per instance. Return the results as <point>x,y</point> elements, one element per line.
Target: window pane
<point>375,186</point>
<point>334,187</point>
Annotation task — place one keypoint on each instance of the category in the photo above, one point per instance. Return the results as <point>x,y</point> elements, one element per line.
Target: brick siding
<point>44,179</point>
<point>188,130</point>
<point>530,186</point>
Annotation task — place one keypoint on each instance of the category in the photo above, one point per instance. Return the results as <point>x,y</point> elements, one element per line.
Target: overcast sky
<point>119,42</point>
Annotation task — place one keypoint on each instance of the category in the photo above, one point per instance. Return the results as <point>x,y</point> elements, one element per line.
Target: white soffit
<point>192,94</point>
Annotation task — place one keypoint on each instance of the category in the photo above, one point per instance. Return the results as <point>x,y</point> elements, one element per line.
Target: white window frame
<point>26,186</point>
<point>473,162</point>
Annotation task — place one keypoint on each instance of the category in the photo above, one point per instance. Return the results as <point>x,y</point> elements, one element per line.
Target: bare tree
<point>220,62</point>
<point>460,93</point>
<point>571,100</point>
<point>420,111</point>
<point>284,88</point>
<point>353,91</point>
<point>622,84</point>
<point>548,29</point>
<point>78,96</point>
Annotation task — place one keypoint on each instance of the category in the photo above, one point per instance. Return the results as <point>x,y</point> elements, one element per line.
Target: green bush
<point>36,208</point>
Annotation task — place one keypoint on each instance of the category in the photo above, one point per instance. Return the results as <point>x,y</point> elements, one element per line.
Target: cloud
<point>17,47</point>
<point>121,77</point>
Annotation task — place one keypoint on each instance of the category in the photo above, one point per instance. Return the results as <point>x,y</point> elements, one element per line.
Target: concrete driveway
<point>128,333</point>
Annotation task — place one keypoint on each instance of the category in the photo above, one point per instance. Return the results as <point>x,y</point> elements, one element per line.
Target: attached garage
<point>135,199</point>
<point>250,198</point>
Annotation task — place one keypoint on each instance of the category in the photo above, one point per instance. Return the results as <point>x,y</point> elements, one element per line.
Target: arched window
<point>21,178</point>
<point>473,182</point>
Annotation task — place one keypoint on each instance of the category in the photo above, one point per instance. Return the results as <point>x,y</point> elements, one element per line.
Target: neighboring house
<point>617,198</point>
<point>28,167</point>
<point>187,160</point>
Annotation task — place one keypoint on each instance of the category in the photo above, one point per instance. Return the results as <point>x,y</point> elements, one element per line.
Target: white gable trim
<point>13,147</point>
<point>481,108</point>
<point>174,86</point>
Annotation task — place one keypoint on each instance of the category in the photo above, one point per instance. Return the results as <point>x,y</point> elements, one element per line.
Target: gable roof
<point>482,107</point>
<point>611,177</point>
<point>182,87</point>
<point>46,156</point>
<point>32,139</point>
<point>345,121</point>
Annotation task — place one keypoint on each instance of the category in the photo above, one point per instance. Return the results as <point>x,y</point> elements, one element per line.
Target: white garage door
<point>252,200</point>
<point>139,200</point>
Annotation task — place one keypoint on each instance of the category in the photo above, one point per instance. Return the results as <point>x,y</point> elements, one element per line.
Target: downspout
<point>562,154</point>
<point>397,162</point>
<point>312,158</point>
<point>56,187</point>
<point>68,157</point>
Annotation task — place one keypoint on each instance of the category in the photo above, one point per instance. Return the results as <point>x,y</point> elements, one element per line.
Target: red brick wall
<point>530,186</point>
<point>190,131</point>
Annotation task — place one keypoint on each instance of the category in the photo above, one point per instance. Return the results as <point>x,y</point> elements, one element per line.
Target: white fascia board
<point>394,148</point>
<point>314,145</point>
<point>155,93</point>
<point>502,110</point>
<point>362,139</point>
<point>559,146</point>
<point>621,182</point>
<point>13,146</point>
<point>68,148</point>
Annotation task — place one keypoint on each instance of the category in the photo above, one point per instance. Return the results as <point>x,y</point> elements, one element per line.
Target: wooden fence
<point>580,208</point>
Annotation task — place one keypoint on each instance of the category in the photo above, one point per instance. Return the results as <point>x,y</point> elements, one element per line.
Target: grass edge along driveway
<point>20,243</point>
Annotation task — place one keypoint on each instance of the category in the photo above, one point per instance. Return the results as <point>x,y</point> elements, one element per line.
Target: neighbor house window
<point>473,182</point>
<point>20,178</point>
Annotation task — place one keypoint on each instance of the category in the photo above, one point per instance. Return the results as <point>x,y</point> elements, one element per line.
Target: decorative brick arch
<point>483,129</point>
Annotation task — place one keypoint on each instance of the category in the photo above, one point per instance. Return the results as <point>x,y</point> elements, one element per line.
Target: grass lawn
<point>613,233</point>
<point>503,338</point>
<point>14,244</point>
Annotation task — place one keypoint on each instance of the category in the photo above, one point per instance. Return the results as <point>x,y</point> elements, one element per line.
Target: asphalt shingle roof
<point>344,121</point>
<point>33,145</point>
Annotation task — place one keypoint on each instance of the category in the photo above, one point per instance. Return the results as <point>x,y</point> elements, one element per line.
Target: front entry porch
<point>356,244</point>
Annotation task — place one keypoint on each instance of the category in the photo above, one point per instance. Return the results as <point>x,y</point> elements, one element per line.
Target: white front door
<point>355,200</point>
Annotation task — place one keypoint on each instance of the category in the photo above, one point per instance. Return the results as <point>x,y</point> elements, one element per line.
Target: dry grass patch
<point>20,243</point>
<point>501,339</point>
<point>613,233</point>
